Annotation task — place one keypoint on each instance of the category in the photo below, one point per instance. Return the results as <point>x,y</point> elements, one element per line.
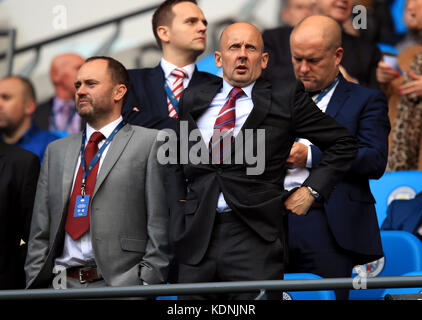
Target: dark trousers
<point>235,253</point>
<point>313,249</point>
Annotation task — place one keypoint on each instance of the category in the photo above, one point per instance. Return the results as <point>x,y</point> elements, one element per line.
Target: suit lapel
<point>155,85</point>
<point>113,154</point>
<point>339,98</point>
<point>261,98</point>
<point>203,99</point>
<point>69,166</point>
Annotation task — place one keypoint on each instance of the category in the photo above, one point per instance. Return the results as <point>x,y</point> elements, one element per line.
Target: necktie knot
<point>96,137</point>
<point>179,73</point>
<point>236,93</point>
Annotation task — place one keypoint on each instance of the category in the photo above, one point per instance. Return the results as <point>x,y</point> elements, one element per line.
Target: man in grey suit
<point>120,237</point>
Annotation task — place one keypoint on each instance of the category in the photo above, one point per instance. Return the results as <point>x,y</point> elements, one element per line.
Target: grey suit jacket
<point>128,216</point>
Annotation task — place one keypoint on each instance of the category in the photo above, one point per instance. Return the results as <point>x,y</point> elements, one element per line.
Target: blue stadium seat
<point>207,64</point>
<point>307,295</point>
<point>402,254</point>
<point>397,11</point>
<point>405,290</point>
<point>394,185</point>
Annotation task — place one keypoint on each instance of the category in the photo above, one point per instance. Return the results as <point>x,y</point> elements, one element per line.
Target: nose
<point>202,27</point>
<point>304,67</point>
<point>80,91</point>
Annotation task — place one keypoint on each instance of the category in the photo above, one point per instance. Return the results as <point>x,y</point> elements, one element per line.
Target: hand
<point>299,201</point>
<point>413,88</point>
<point>385,73</point>
<point>298,156</point>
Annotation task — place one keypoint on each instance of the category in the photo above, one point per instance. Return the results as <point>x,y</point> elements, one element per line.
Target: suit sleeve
<point>155,263</point>
<point>338,145</point>
<point>372,134</point>
<point>38,244</point>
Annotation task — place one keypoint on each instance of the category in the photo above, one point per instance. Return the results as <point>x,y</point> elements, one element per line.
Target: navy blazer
<point>148,95</point>
<point>404,215</point>
<point>350,209</point>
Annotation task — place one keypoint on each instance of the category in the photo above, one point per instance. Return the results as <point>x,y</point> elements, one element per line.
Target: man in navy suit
<point>341,231</point>
<point>405,215</point>
<point>180,30</point>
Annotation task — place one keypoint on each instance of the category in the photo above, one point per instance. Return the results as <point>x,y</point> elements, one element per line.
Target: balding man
<point>342,231</point>
<point>17,105</point>
<point>59,113</point>
<point>229,225</point>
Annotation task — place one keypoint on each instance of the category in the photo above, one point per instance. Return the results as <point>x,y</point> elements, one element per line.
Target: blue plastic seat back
<point>402,254</point>
<point>307,295</point>
<point>394,185</point>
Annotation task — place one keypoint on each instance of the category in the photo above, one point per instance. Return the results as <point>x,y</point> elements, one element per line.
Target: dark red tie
<point>77,226</point>
<point>224,127</point>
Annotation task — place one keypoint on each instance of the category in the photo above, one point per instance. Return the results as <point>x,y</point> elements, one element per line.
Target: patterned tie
<point>177,89</point>
<point>76,227</point>
<point>224,124</point>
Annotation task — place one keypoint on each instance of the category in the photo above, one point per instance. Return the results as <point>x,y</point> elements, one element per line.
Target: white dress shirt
<point>79,252</point>
<point>295,177</point>
<point>168,69</point>
<point>244,106</point>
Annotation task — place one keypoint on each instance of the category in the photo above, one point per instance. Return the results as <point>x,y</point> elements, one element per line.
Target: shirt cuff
<point>309,159</point>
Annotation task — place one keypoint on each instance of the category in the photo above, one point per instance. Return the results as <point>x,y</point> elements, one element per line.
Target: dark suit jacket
<point>147,93</point>
<point>350,209</point>
<point>19,171</point>
<point>360,58</point>
<point>42,115</point>
<point>284,113</point>
<point>404,215</point>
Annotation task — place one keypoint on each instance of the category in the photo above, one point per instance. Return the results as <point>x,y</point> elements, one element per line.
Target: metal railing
<point>214,287</point>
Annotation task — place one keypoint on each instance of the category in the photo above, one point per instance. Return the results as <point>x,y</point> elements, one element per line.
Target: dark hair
<point>119,74</point>
<point>27,87</point>
<point>164,15</point>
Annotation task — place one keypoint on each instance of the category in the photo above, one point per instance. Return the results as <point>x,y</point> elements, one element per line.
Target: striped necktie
<point>224,126</point>
<point>177,89</point>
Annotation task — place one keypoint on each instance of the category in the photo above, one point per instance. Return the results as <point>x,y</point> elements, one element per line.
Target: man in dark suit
<point>343,231</point>
<point>229,225</point>
<point>19,171</point>
<point>180,30</point>
<point>360,57</point>
<point>59,113</point>
<point>405,215</point>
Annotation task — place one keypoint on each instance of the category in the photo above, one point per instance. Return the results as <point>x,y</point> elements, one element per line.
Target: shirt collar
<point>227,87</point>
<point>169,67</point>
<point>106,130</point>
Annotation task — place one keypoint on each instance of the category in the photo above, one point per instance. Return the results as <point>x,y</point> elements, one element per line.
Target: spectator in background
<point>276,41</point>
<point>59,113</point>
<point>402,83</point>
<point>180,28</point>
<point>341,231</point>
<point>17,105</point>
<point>19,171</point>
<point>360,58</point>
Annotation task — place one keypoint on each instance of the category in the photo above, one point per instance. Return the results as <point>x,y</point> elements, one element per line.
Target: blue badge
<point>81,206</point>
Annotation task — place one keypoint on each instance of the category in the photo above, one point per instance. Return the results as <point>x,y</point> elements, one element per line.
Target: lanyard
<point>172,97</point>
<point>97,157</point>
<point>325,91</point>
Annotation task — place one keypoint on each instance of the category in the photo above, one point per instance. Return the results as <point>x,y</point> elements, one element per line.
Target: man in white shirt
<point>99,211</point>
<point>179,27</point>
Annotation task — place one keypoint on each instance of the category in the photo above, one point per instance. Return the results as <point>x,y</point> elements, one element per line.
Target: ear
<point>163,33</point>
<point>218,59</point>
<point>264,60</point>
<point>338,56</point>
<point>119,92</point>
<point>30,107</point>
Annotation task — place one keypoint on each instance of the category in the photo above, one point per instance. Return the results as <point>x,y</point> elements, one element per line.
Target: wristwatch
<point>314,193</point>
